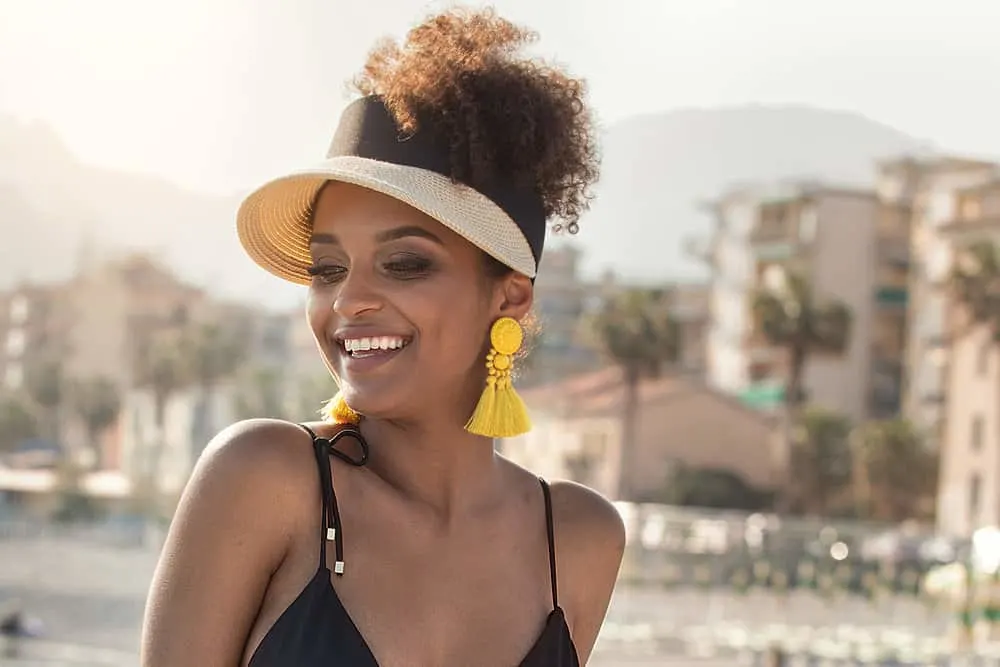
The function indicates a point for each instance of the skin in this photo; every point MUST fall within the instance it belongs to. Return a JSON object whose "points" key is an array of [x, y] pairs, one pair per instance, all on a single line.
{"points": [[445, 545]]}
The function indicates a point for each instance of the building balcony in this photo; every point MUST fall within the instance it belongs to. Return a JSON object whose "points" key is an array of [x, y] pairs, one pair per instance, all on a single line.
{"points": [[890, 296], [775, 250], [967, 230], [782, 227], [894, 252], [775, 242], [977, 213], [885, 388], [894, 222]]}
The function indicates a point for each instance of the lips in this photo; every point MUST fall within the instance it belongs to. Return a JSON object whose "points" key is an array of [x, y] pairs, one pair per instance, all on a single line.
{"points": [[364, 351]]}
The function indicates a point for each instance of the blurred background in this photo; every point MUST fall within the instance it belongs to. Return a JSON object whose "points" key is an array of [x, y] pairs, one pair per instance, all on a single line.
{"points": [[775, 341]]}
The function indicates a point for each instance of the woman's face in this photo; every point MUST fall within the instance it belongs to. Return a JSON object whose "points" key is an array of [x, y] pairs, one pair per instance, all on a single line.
{"points": [[400, 305]]}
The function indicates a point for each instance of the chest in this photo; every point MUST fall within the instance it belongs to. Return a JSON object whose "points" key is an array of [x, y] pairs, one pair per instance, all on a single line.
{"points": [[479, 597]]}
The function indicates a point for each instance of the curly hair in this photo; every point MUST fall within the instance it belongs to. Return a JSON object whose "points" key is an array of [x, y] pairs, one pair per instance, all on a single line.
{"points": [[502, 114]]}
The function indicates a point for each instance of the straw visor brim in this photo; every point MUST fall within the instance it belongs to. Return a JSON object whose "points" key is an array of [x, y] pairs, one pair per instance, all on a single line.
{"points": [[274, 226]]}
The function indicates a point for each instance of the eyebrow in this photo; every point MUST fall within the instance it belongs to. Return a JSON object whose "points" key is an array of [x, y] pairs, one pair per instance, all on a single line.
{"points": [[383, 237]]}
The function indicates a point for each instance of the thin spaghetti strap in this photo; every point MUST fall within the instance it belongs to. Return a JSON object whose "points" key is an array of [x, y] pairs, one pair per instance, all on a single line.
{"points": [[550, 532], [332, 530], [325, 487]]}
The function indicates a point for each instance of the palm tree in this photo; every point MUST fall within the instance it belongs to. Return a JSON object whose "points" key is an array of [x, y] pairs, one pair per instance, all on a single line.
{"points": [[161, 366], [638, 332], [98, 404], [819, 462], [45, 384], [17, 422], [310, 394], [260, 394], [213, 353], [975, 281], [896, 473], [792, 318]]}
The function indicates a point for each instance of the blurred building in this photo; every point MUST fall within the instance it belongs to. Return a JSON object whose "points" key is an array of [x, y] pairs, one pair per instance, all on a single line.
{"points": [[34, 329], [689, 306], [562, 298], [930, 188], [727, 252], [956, 397], [577, 434], [853, 247]]}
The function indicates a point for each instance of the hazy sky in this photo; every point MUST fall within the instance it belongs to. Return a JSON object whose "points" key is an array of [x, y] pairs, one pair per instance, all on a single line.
{"points": [[218, 94]]}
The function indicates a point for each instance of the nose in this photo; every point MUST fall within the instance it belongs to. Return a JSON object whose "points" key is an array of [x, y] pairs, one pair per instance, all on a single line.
{"points": [[356, 295]]}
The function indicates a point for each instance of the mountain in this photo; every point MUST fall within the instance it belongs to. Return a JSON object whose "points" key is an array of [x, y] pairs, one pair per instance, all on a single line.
{"points": [[56, 212], [656, 168]]}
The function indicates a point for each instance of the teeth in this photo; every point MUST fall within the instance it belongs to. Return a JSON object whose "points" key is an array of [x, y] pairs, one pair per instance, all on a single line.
{"points": [[353, 345]]}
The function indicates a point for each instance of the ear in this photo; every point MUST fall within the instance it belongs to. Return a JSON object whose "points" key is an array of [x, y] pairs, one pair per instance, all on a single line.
{"points": [[515, 296]]}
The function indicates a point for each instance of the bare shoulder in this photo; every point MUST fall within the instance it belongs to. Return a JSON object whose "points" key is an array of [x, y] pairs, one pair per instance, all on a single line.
{"points": [[231, 531], [585, 517], [254, 441], [590, 544], [255, 457]]}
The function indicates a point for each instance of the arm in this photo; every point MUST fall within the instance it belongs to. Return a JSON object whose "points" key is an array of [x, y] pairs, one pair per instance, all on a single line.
{"points": [[590, 543], [226, 539]]}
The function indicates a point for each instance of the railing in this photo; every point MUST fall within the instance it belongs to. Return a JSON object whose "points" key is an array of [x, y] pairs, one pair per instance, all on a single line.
{"points": [[695, 582], [120, 533]]}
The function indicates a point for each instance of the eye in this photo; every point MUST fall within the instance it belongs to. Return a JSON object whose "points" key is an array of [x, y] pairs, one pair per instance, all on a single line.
{"points": [[407, 267], [327, 273]]}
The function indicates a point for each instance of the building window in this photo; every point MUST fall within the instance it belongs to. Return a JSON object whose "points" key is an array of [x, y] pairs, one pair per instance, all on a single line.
{"points": [[971, 208], [942, 207], [974, 492], [808, 222], [14, 377], [983, 358], [15, 343], [976, 432], [938, 261], [19, 309]]}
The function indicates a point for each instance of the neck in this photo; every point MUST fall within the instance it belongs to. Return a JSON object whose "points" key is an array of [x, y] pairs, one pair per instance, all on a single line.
{"points": [[436, 462]]}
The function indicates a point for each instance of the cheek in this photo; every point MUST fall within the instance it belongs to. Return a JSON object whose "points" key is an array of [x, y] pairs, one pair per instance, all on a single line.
{"points": [[318, 309]]}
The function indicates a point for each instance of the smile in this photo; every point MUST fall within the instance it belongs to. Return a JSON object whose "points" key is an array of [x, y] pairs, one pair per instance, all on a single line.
{"points": [[370, 346]]}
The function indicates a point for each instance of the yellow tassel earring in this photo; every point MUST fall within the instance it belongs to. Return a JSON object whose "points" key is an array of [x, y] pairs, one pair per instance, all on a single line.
{"points": [[337, 410], [500, 412]]}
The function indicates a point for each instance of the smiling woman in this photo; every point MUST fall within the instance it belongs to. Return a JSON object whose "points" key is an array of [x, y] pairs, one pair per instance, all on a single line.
{"points": [[419, 237]]}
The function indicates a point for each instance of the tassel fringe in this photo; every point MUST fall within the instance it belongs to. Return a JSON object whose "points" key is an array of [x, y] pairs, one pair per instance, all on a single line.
{"points": [[337, 411]]}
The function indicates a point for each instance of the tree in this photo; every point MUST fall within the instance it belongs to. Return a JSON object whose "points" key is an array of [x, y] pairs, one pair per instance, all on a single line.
{"points": [[98, 404], [819, 462], [896, 473], [161, 366], [214, 353], [637, 331], [792, 318], [261, 394], [712, 487], [975, 282], [310, 393], [45, 384], [17, 422]]}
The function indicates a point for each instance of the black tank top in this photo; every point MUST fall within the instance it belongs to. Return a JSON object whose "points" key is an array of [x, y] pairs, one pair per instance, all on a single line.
{"points": [[317, 631]]}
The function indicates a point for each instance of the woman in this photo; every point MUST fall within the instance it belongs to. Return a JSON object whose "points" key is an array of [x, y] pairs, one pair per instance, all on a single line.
{"points": [[419, 238]]}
